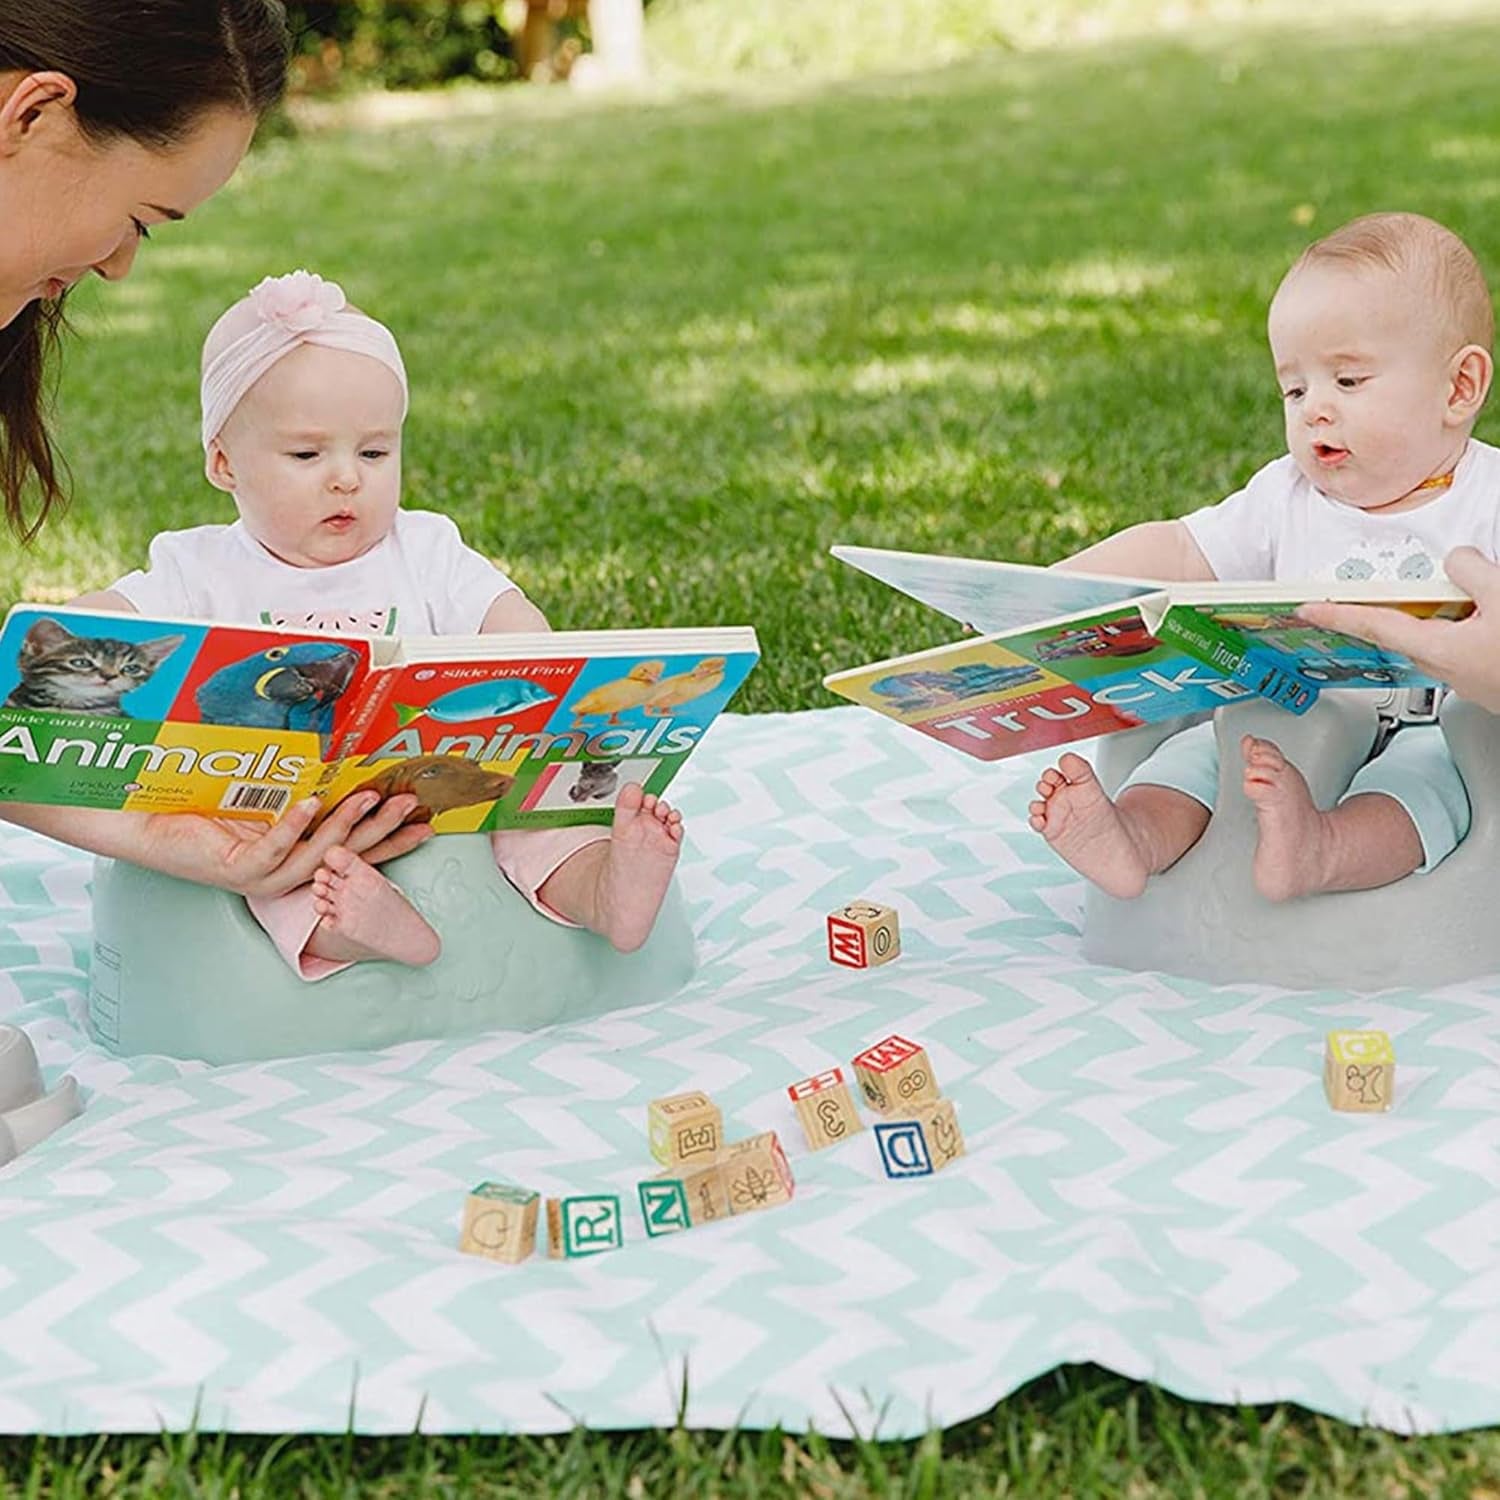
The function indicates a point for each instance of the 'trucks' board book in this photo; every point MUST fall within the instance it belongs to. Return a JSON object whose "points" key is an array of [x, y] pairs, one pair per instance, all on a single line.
{"points": [[1063, 656], [501, 731]]}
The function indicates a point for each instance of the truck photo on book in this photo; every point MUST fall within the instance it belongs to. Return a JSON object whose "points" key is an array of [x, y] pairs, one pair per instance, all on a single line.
{"points": [[113, 710], [1061, 656]]}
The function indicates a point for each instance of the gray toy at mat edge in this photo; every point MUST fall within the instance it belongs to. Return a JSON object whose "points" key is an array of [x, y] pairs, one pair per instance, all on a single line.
{"points": [[28, 1113], [1203, 918]]}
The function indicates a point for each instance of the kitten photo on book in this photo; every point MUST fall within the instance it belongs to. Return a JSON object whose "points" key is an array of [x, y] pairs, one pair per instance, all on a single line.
{"points": [[86, 674]]}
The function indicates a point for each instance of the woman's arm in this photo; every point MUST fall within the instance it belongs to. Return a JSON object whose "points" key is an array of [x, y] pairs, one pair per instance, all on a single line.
{"points": [[1463, 653], [252, 859], [1154, 550]]}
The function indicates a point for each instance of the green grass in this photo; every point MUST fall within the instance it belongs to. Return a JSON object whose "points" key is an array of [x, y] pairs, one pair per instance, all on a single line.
{"points": [[664, 354], [1077, 1433]]}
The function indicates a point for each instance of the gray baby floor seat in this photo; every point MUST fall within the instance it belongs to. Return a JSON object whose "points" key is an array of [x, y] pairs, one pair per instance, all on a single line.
{"points": [[1204, 918]]}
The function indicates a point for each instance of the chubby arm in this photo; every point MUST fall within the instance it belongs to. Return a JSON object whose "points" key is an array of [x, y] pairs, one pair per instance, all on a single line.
{"points": [[105, 599], [1153, 550], [512, 611]]}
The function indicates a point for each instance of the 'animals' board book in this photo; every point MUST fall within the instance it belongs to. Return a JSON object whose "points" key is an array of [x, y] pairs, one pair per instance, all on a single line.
{"points": [[1062, 656], [119, 711]]}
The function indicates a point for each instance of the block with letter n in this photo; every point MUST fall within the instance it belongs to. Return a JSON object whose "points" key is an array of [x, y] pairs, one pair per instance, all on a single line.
{"points": [[863, 935], [584, 1225], [895, 1075], [664, 1205]]}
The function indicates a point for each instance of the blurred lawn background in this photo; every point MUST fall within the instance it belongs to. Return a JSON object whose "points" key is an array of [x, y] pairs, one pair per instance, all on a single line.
{"points": [[666, 349], [986, 276]]}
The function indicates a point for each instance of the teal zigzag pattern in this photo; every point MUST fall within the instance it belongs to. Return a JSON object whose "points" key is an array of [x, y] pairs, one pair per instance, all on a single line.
{"points": [[1153, 1180]]}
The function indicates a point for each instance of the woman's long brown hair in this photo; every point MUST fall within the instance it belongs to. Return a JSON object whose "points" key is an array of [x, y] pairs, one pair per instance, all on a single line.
{"points": [[147, 69]]}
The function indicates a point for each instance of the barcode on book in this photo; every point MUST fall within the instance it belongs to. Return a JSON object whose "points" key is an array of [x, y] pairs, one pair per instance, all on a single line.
{"points": [[254, 796]]}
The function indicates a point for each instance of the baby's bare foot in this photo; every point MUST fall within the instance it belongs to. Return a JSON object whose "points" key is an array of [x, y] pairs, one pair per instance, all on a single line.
{"points": [[1291, 855], [643, 847], [1073, 814], [365, 916]]}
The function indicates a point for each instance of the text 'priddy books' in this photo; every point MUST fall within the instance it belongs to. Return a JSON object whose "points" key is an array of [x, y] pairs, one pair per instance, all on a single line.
{"points": [[1061, 656], [119, 711]]}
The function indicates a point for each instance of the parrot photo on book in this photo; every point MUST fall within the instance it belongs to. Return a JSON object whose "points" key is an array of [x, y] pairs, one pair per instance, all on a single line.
{"points": [[283, 687]]}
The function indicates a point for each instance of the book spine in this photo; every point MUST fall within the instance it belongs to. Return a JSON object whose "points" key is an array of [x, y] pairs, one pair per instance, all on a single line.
{"points": [[1262, 669], [377, 688]]}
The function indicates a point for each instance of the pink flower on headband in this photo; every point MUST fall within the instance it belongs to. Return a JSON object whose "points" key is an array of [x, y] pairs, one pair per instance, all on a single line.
{"points": [[297, 302]]}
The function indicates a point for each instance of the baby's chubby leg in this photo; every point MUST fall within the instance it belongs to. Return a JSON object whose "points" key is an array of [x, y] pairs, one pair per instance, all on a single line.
{"points": [[1118, 845], [1366, 841], [616, 886], [362, 916]]}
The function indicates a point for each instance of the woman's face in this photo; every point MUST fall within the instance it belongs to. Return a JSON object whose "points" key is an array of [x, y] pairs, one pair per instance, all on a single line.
{"points": [[70, 206]]}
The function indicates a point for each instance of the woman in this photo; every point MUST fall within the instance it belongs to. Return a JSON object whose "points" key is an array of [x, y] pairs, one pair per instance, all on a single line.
{"points": [[1463, 653], [116, 116]]}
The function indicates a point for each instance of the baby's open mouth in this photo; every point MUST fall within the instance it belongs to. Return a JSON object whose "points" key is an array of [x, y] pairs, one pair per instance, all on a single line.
{"points": [[1329, 453], [340, 520]]}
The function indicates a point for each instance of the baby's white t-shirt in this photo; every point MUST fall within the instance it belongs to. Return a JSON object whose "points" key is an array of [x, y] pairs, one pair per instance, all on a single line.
{"points": [[1281, 526], [420, 579]]}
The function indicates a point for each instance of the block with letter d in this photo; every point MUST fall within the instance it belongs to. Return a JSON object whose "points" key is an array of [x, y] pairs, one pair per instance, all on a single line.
{"points": [[863, 935], [903, 1149]]}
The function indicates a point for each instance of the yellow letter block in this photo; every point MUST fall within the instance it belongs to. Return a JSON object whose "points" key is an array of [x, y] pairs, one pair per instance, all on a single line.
{"points": [[499, 1222], [686, 1130], [1359, 1071]]}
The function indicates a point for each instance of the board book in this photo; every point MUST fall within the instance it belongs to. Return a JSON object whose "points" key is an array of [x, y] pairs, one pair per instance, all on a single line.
{"points": [[1058, 656], [109, 710]]}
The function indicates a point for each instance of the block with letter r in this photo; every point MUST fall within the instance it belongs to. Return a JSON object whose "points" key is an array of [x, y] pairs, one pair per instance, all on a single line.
{"points": [[584, 1225], [664, 1205], [903, 1150]]}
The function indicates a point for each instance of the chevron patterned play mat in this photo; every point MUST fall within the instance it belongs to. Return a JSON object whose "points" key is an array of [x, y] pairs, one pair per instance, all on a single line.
{"points": [[1154, 1181]]}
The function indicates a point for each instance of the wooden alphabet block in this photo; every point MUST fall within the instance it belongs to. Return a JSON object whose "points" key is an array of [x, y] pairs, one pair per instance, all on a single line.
{"points": [[940, 1132], [686, 1130], [825, 1108], [756, 1174], [895, 1076], [500, 1222], [863, 935], [707, 1195], [1359, 1071], [699, 1196], [584, 1225], [903, 1149], [664, 1206]]}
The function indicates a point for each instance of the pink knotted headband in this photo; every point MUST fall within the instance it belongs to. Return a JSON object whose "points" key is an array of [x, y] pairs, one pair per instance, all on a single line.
{"points": [[279, 315]]}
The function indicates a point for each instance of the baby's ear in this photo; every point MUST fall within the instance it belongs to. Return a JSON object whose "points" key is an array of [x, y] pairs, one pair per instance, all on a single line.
{"points": [[216, 465], [1473, 370]]}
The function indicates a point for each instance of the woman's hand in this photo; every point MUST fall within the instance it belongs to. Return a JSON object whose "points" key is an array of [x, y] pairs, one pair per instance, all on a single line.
{"points": [[1463, 653], [252, 859]]}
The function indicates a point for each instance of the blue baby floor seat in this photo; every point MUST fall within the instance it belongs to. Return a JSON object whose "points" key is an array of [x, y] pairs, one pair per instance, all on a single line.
{"points": [[183, 969], [1203, 917]]}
